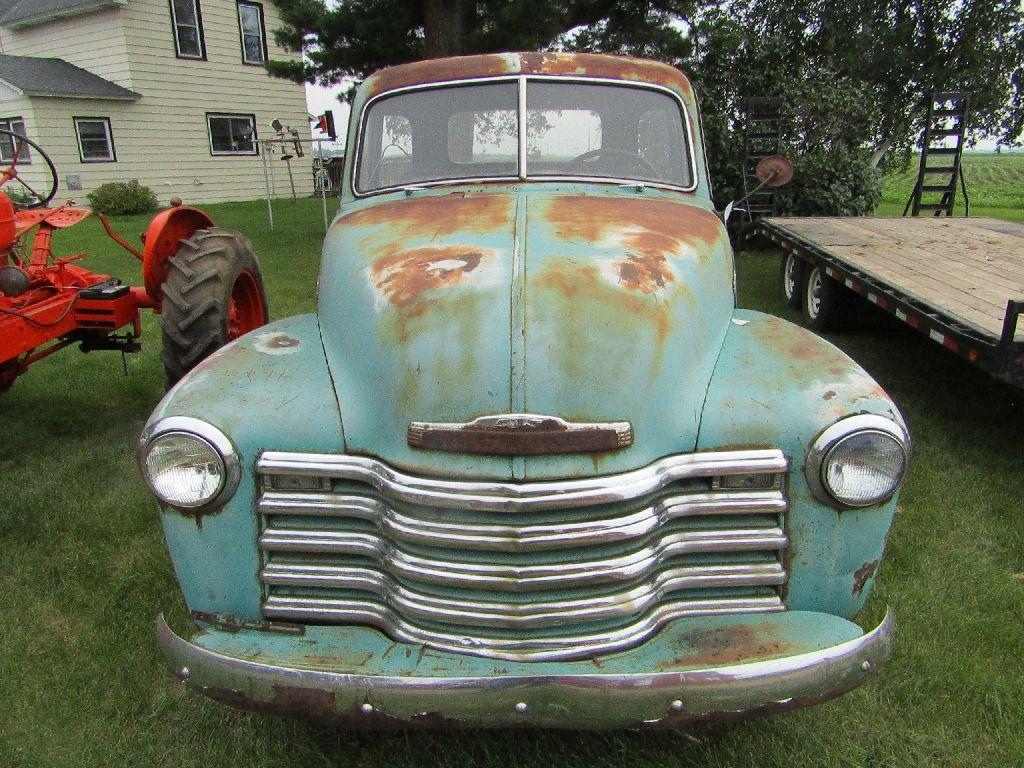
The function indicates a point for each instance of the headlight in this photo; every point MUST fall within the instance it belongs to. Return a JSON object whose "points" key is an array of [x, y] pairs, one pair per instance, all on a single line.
{"points": [[187, 462], [858, 461]]}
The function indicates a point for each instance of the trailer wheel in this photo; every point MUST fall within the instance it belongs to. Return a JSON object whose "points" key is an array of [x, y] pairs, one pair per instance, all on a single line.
{"points": [[213, 294], [792, 279], [825, 301]]}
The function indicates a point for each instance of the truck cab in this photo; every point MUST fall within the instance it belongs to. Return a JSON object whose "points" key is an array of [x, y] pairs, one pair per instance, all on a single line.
{"points": [[527, 464]]}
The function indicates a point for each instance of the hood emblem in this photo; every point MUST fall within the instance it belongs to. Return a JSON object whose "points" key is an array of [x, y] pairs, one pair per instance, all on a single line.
{"points": [[520, 434]]}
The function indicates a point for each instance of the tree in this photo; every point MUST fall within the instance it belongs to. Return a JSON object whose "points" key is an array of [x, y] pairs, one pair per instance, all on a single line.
{"points": [[356, 37]]}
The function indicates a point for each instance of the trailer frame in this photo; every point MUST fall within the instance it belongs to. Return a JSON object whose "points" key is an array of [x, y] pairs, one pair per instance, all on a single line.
{"points": [[1001, 356]]}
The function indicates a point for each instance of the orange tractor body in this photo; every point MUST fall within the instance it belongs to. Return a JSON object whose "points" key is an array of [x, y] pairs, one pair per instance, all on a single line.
{"points": [[48, 303]]}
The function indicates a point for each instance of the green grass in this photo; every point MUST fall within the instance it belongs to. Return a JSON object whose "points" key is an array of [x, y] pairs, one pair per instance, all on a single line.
{"points": [[84, 569], [995, 186]]}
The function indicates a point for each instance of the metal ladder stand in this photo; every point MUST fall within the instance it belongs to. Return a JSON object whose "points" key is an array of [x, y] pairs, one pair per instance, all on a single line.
{"points": [[762, 137], [947, 119]]}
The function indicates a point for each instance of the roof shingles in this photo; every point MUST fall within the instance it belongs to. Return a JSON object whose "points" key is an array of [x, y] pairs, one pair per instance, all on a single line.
{"points": [[14, 13], [36, 76]]}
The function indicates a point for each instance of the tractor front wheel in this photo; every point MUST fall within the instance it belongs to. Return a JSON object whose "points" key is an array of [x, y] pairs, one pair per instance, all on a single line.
{"points": [[213, 294]]}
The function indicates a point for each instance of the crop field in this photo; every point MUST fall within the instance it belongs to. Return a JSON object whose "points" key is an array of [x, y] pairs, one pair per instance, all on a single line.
{"points": [[84, 569], [994, 181]]}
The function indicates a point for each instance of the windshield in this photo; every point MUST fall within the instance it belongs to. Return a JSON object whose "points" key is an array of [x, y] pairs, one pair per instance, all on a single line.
{"points": [[573, 130]]}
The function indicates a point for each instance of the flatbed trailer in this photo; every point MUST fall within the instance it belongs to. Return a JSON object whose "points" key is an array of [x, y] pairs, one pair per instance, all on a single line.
{"points": [[959, 281]]}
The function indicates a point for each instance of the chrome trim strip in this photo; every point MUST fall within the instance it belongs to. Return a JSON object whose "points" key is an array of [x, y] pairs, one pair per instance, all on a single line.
{"points": [[518, 538], [491, 613], [830, 437], [213, 436], [577, 699], [496, 496], [528, 577], [521, 175], [546, 648]]}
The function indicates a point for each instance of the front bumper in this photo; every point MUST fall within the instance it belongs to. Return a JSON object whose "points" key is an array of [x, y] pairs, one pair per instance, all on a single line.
{"points": [[356, 677]]}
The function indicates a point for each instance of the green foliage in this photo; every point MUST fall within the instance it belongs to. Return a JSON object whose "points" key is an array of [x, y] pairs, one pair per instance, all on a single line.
{"points": [[122, 198], [354, 38]]}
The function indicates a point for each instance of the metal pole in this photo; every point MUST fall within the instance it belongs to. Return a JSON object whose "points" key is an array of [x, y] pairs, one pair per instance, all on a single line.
{"points": [[323, 187], [266, 186]]}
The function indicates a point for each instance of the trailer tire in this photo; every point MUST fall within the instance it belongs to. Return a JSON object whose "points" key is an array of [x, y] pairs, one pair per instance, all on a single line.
{"points": [[825, 302], [213, 294], [791, 279]]}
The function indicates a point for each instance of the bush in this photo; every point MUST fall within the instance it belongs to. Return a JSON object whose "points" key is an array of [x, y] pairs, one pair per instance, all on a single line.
{"points": [[121, 198]]}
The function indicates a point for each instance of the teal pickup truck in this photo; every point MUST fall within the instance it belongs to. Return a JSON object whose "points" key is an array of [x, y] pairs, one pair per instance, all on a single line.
{"points": [[528, 464]]}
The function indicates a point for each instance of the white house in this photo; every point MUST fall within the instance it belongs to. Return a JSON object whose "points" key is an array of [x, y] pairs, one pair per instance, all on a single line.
{"points": [[170, 92]]}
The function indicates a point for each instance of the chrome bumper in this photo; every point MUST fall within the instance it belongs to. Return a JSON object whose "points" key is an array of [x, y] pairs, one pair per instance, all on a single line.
{"points": [[576, 699]]}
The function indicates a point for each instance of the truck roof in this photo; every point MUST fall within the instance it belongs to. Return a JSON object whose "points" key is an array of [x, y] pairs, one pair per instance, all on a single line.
{"points": [[528, 63]]}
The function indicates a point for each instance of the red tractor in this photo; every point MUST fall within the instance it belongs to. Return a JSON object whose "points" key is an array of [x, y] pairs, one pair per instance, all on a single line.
{"points": [[203, 280]]}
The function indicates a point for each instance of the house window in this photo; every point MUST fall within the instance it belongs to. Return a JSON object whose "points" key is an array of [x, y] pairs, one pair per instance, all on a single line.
{"points": [[95, 141], [254, 34], [187, 19], [14, 125], [232, 134]]}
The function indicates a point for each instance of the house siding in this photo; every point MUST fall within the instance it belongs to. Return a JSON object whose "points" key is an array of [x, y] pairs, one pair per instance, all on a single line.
{"points": [[162, 138], [94, 41]]}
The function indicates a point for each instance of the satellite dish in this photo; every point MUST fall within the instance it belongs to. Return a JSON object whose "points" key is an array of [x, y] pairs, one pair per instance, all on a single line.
{"points": [[277, 125]]}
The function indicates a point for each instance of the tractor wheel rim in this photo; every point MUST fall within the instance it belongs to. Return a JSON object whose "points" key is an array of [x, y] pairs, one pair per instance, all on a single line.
{"points": [[814, 293], [245, 308], [789, 284]]}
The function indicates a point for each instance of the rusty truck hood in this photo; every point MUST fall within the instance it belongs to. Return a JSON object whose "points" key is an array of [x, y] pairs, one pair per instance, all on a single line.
{"points": [[445, 307]]}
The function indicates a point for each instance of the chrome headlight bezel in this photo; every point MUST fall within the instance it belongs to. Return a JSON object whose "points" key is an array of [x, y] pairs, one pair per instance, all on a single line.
{"points": [[201, 430], [832, 436]]}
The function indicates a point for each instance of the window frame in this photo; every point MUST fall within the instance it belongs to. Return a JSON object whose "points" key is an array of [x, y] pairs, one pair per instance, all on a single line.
{"points": [[199, 31], [523, 81], [251, 116], [10, 127], [263, 32], [110, 139]]}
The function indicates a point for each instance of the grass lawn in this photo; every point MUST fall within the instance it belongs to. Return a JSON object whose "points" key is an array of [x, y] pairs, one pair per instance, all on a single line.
{"points": [[84, 570]]}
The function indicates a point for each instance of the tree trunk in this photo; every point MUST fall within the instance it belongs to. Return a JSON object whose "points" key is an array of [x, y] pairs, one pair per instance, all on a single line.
{"points": [[879, 154], [444, 28]]}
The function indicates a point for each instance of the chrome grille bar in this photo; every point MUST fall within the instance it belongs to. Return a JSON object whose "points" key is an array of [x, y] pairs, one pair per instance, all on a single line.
{"points": [[520, 538], [564, 646], [521, 497]]}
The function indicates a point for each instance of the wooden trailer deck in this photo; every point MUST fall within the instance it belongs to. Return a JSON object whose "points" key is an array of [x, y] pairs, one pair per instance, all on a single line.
{"points": [[960, 280]]}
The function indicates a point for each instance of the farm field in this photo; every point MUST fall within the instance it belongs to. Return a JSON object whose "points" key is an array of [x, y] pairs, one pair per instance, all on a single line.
{"points": [[84, 569]]}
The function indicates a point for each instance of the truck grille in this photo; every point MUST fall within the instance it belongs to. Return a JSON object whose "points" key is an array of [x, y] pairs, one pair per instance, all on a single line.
{"points": [[525, 571]]}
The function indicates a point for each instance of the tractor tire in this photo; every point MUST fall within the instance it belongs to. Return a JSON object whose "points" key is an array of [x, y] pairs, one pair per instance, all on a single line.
{"points": [[213, 294], [791, 279], [826, 302]]}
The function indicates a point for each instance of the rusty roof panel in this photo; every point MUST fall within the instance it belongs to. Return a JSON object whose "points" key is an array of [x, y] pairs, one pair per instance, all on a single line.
{"points": [[494, 64]]}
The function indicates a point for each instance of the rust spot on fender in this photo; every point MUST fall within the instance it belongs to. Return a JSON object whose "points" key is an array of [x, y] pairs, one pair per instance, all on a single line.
{"points": [[436, 215], [829, 395], [404, 277], [280, 341], [730, 645], [862, 574]]}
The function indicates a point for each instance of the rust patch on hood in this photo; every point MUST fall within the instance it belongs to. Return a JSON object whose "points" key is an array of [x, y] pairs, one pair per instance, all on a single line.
{"points": [[731, 645], [646, 274], [436, 215], [648, 230], [862, 574], [403, 277]]}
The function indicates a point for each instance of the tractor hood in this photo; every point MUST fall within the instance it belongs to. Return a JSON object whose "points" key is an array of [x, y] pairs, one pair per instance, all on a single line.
{"points": [[444, 307]]}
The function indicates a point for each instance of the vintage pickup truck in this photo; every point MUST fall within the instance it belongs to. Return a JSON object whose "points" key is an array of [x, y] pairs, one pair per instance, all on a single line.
{"points": [[528, 464]]}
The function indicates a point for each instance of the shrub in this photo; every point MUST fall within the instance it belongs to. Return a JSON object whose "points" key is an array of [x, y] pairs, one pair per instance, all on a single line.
{"points": [[121, 198]]}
